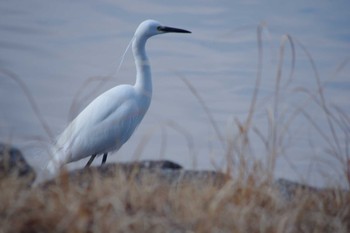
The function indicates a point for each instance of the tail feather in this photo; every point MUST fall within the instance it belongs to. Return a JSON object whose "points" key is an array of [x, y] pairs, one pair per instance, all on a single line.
{"points": [[57, 161], [53, 167]]}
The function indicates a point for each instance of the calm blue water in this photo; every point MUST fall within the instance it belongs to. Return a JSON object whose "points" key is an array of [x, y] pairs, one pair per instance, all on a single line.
{"points": [[60, 49]]}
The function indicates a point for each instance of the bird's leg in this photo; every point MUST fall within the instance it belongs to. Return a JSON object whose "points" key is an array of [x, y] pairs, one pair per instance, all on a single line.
{"points": [[104, 158], [90, 160]]}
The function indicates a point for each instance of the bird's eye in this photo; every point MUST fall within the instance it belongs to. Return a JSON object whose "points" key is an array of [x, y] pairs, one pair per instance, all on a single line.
{"points": [[159, 28]]}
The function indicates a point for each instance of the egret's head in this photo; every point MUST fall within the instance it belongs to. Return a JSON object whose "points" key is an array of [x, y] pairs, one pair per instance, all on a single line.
{"points": [[151, 27]]}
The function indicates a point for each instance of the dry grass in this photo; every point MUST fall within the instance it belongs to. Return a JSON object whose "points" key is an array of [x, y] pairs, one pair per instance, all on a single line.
{"points": [[121, 203]]}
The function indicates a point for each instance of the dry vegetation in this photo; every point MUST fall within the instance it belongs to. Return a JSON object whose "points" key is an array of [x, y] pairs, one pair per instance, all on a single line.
{"points": [[121, 203]]}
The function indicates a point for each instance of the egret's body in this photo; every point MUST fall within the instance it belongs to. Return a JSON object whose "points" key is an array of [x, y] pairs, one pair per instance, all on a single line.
{"points": [[109, 120]]}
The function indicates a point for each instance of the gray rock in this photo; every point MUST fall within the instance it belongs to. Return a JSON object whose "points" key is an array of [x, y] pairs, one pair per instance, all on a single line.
{"points": [[289, 189], [12, 163], [170, 173], [160, 170]]}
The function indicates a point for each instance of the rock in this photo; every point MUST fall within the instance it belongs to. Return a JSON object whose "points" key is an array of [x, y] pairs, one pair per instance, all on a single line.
{"points": [[12, 163], [193, 176], [149, 164], [170, 173], [110, 169], [160, 170], [289, 189]]}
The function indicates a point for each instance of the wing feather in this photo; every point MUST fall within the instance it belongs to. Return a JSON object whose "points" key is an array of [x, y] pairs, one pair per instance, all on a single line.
{"points": [[109, 134], [104, 120]]}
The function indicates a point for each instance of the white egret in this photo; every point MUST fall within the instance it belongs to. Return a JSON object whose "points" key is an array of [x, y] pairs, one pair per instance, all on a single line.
{"points": [[110, 119]]}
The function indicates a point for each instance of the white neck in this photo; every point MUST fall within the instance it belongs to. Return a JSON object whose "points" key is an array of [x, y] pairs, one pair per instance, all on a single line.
{"points": [[143, 68]]}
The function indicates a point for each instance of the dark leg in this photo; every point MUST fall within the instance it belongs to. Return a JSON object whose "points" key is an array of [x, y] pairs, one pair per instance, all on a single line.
{"points": [[104, 158], [90, 160]]}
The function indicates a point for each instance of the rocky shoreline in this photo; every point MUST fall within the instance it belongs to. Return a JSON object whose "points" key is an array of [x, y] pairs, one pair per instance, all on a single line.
{"points": [[13, 163]]}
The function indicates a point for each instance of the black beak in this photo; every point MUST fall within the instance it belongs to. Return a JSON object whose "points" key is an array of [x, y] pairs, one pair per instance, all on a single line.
{"points": [[170, 29]]}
